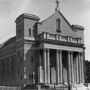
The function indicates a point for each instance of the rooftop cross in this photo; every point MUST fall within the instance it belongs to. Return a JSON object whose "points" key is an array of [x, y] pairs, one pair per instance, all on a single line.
{"points": [[57, 2]]}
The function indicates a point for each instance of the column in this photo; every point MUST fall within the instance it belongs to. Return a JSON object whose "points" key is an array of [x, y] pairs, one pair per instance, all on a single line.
{"points": [[80, 76], [40, 71], [69, 69], [77, 69], [44, 60], [57, 67], [72, 71], [60, 61], [82, 68], [48, 66]]}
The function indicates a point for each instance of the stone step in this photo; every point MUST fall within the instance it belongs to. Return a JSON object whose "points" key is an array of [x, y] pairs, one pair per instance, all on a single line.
{"points": [[9, 88]]}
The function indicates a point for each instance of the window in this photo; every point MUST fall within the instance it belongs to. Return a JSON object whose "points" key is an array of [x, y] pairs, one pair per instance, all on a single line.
{"points": [[58, 25], [29, 31]]}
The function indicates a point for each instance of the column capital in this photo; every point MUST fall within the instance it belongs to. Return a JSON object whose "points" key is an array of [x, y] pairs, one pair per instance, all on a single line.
{"points": [[80, 53], [57, 50], [69, 52], [48, 49], [60, 51], [44, 49]]}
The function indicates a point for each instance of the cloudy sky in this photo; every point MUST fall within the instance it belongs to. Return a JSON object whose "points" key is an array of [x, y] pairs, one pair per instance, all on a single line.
{"points": [[76, 12]]}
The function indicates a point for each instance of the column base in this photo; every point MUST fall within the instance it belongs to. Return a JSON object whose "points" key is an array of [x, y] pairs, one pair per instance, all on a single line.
{"points": [[40, 75], [57, 85]]}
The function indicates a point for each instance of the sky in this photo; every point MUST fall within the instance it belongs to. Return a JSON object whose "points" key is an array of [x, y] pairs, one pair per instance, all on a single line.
{"points": [[75, 11]]}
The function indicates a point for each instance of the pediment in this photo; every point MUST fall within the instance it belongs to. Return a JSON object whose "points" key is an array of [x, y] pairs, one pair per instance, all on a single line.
{"points": [[66, 29]]}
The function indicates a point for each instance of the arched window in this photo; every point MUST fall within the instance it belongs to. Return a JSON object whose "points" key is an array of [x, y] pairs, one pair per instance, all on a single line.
{"points": [[29, 31], [58, 25]]}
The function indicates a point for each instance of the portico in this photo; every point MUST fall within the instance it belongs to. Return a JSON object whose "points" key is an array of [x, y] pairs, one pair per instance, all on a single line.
{"points": [[60, 66]]}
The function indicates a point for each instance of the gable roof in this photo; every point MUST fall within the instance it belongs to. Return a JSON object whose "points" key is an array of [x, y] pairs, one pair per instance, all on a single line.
{"points": [[62, 17], [65, 19]]}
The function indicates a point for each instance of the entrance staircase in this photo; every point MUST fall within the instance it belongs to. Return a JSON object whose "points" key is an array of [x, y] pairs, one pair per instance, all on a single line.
{"points": [[52, 87], [79, 87], [44, 87]]}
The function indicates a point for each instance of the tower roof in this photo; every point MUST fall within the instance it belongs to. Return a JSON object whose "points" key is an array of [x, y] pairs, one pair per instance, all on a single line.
{"points": [[26, 15]]}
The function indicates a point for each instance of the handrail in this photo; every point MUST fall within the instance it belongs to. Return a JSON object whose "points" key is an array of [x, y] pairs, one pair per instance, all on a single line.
{"points": [[60, 37]]}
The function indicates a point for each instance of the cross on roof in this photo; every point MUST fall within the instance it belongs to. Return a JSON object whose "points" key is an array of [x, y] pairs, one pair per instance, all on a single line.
{"points": [[57, 2]]}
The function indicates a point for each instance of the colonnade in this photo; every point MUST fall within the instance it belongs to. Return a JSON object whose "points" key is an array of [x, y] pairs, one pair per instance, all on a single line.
{"points": [[59, 67]]}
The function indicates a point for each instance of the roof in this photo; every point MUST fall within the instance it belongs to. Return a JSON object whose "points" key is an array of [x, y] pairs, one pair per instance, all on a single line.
{"points": [[26, 15], [8, 41]]}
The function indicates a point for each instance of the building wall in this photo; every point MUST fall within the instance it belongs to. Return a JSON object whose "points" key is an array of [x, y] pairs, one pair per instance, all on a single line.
{"points": [[28, 24], [8, 65], [20, 63], [29, 62]]}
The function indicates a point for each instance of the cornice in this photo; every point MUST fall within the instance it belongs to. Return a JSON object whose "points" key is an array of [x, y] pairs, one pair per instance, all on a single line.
{"points": [[55, 42]]}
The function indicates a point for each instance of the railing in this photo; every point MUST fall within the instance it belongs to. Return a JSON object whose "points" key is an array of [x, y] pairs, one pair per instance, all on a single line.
{"points": [[64, 38], [57, 37]]}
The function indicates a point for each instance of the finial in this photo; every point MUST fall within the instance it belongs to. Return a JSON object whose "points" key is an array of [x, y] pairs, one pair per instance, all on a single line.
{"points": [[57, 3]]}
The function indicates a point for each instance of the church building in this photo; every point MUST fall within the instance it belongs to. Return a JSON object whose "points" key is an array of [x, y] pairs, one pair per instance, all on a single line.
{"points": [[44, 54]]}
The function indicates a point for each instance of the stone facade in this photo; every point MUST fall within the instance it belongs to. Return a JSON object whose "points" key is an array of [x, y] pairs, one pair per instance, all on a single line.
{"points": [[48, 53]]}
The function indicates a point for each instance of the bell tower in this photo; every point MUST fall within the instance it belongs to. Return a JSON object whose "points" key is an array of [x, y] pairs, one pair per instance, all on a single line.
{"points": [[25, 26], [26, 30]]}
